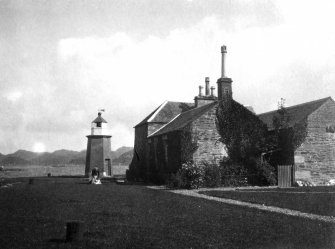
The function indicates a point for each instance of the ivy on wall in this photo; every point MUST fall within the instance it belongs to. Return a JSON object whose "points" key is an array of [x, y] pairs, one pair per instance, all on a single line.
{"points": [[188, 146], [246, 136], [241, 131]]}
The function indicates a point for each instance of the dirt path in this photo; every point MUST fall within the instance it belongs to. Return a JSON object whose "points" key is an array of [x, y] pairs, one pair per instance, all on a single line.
{"points": [[273, 209]]}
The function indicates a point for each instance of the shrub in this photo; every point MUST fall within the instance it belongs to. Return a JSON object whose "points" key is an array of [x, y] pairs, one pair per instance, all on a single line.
{"points": [[233, 174], [266, 174], [175, 181], [189, 176], [192, 175], [212, 175]]}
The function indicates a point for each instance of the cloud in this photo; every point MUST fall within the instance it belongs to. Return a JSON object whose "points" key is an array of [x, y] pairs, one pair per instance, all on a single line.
{"points": [[275, 50], [131, 77], [14, 96]]}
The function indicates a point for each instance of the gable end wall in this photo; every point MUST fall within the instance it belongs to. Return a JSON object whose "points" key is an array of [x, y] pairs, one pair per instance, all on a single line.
{"points": [[204, 132], [315, 158]]}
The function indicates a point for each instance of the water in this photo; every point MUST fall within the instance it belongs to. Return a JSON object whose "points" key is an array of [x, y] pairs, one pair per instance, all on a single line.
{"points": [[59, 170]]}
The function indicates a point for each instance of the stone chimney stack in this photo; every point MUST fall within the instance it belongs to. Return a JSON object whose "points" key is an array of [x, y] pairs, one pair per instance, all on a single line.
{"points": [[224, 83], [206, 99], [207, 86]]}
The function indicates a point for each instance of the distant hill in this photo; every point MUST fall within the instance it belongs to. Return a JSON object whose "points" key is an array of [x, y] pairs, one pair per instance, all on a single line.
{"points": [[123, 155], [65, 153], [124, 158], [56, 157], [12, 160], [23, 157], [120, 151], [80, 158], [24, 154]]}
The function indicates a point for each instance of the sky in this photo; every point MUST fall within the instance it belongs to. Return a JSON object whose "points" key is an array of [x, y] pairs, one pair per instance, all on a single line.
{"points": [[61, 61]]}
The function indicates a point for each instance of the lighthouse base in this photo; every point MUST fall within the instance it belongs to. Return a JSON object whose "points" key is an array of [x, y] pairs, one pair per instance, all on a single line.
{"points": [[98, 155]]}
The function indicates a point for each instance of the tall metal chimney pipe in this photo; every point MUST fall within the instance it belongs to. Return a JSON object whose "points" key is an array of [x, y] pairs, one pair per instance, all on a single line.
{"points": [[207, 86], [223, 65]]}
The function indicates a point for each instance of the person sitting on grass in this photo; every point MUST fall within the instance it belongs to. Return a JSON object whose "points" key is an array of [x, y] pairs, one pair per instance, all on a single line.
{"points": [[95, 176]]}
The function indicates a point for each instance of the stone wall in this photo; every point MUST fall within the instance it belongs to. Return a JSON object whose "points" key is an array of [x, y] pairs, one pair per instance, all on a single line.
{"points": [[138, 163], [152, 127], [315, 158], [141, 161], [163, 156], [204, 132], [203, 100]]}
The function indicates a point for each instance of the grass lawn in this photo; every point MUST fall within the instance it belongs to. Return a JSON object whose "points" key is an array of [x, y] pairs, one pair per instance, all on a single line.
{"points": [[316, 200], [130, 216]]}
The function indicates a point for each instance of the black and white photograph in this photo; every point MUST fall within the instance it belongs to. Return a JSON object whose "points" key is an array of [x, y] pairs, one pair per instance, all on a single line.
{"points": [[167, 124]]}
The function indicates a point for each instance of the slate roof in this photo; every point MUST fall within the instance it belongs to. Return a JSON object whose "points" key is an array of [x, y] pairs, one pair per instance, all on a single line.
{"points": [[165, 112], [99, 119], [183, 119], [296, 113]]}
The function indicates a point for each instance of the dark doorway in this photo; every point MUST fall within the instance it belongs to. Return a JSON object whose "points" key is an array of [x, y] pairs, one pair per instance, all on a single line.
{"points": [[108, 167]]}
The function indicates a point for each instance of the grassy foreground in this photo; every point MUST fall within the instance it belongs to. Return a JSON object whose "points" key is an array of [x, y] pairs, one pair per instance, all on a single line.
{"points": [[121, 216], [316, 200]]}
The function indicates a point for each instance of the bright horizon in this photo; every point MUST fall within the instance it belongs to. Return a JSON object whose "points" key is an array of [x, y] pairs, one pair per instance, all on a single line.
{"points": [[61, 61]]}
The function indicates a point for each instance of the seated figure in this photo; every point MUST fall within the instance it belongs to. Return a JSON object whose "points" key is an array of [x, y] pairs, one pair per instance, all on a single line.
{"points": [[95, 176]]}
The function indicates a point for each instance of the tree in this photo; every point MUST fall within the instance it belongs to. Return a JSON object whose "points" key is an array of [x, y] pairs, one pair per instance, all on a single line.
{"points": [[287, 135]]}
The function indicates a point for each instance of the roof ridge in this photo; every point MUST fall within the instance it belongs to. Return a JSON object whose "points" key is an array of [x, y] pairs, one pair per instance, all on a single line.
{"points": [[294, 106], [197, 108], [181, 102]]}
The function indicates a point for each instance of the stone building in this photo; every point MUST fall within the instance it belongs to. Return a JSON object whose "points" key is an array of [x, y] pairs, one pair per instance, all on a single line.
{"points": [[177, 132], [314, 159]]}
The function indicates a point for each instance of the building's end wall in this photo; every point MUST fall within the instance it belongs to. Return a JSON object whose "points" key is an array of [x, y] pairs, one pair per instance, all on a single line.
{"points": [[205, 134], [152, 127], [315, 158], [138, 162]]}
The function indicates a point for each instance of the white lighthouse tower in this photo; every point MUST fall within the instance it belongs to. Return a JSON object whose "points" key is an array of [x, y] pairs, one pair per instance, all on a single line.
{"points": [[98, 153]]}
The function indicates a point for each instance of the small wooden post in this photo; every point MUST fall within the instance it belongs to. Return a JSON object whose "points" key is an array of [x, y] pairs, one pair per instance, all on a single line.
{"points": [[74, 231]]}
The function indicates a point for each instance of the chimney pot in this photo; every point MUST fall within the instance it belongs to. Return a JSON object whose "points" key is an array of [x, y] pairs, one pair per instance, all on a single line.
{"points": [[212, 91], [200, 91], [207, 86]]}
